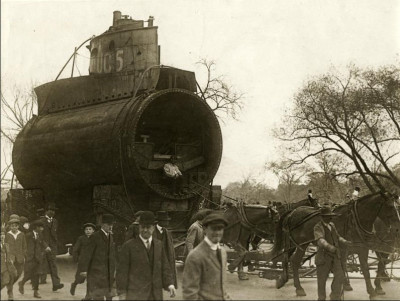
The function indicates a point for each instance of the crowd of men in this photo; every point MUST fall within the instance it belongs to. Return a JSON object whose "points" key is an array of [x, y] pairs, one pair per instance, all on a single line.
{"points": [[145, 264]]}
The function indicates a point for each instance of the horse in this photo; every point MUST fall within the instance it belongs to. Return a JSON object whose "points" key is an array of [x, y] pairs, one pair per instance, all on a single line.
{"points": [[295, 231], [243, 222]]}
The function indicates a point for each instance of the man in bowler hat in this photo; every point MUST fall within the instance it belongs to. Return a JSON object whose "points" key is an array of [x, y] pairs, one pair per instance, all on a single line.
{"points": [[36, 247], [97, 261], [50, 237], [205, 267], [143, 268], [331, 249]]}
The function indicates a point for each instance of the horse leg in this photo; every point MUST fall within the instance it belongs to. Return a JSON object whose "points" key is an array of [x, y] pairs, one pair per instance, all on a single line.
{"points": [[282, 279], [363, 257], [296, 261], [241, 274], [381, 274], [346, 284]]}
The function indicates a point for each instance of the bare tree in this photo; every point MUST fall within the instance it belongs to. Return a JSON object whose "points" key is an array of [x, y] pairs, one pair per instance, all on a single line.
{"points": [[17, 108], [220, 96], [355, 115]]}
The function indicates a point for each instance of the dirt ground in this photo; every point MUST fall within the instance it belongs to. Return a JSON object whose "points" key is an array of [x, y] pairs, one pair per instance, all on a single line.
{"points": [[253, 289]]}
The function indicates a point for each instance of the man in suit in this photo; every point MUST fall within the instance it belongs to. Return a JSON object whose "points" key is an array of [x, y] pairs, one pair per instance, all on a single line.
{"points": [[163, 235], [205, 267], [97, 261], [143, 268], [8, 271], [331, 247], [17, 246], [195, 233], [50, 237], [36, 247]]}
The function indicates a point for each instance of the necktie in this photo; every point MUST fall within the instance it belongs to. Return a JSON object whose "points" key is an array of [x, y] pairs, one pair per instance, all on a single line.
{"points": [[147, 245], [219, 256]]}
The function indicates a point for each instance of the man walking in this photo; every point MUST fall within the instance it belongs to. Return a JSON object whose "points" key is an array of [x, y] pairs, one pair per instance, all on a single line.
{"points": [[143, 269], [163, 235], [17, 246], [97, 261], [205, 267], [328, 258], [50, 237], [36, 247]]}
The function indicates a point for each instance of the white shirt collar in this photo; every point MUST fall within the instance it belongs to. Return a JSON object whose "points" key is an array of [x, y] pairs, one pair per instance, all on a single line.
{"points": [[105, 232], [145, 240], [212, 245], [49, 218], [15, 235], [160, 229], [327, 225], [35, 233]]}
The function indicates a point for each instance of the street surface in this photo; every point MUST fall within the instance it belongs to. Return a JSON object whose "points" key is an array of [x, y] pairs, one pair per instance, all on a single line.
{"points": [[254, 289]]}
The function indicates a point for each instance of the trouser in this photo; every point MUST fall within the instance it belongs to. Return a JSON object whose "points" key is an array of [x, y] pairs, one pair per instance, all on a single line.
{"points": [[31, 272], [78, 278], [20, 268], [331, 264], [50, 259], [6, 280]]}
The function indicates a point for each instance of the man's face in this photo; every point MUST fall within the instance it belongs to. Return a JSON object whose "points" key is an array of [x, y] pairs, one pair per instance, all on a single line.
{"points": [[214, 232], [50, 213], [26, 226], [89, 231], [327, 219], [39, 229], [3, 236], [146, 231], [14, 227], [107, 227]]}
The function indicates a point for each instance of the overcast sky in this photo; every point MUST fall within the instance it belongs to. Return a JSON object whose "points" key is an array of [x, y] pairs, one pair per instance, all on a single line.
{"points": [[265, 49]]}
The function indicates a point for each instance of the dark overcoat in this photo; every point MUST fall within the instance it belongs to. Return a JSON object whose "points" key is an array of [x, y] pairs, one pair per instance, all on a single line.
{"points": [[143, 273], [98, 260], [168, 244], [80, 244]]}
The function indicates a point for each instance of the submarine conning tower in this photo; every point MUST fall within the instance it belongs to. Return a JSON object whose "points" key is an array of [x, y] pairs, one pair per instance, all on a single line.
{"points": [[106, 136]]}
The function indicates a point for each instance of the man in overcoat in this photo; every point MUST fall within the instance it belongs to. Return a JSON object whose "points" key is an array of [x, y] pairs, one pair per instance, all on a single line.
{"points": [[195, 233], [331, 247], [36, 247], [162, 234], [97, 261], [50, 237], [205, 267], [143, 268]]}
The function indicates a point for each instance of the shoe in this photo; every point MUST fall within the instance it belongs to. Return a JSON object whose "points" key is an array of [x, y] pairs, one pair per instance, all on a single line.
{"points": [[36, 294], [57, 287], [73, 287], [21, 287]]}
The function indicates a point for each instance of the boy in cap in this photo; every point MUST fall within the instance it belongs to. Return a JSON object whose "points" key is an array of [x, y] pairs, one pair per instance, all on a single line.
{"points": [[97, 261], [36, 246], [17, 245], [204, 273], [143, 268], [331, 247], [50, 237], [79, 246]]}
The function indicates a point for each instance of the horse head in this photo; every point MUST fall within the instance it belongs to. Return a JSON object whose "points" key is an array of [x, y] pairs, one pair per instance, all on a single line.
{"points": [[389, 213]]}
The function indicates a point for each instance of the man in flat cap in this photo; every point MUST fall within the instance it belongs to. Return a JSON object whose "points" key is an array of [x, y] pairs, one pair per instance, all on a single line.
{"points": [[97, 261], [143, 268], [36, 247], [80, 245], [50, 237], [195, 233], [331, 249], [205, 267]]}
